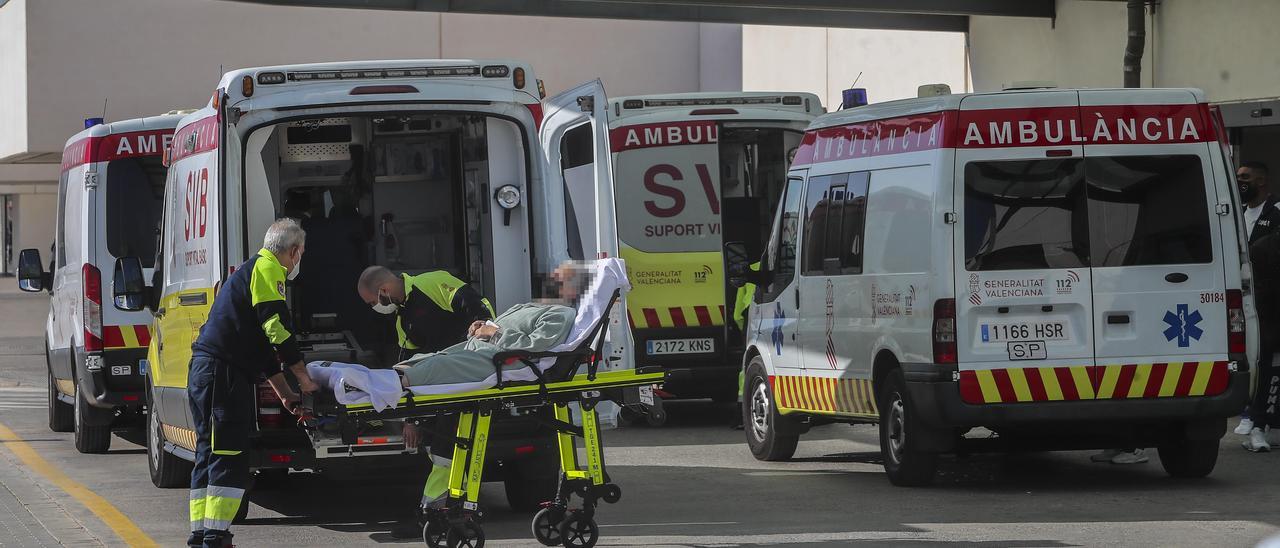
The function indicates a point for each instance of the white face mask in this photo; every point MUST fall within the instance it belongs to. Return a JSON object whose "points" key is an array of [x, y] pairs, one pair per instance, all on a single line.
{"points": [[385, 308], [297, 267]]}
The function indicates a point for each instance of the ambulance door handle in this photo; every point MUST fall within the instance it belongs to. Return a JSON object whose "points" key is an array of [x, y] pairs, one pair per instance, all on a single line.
{"points": [[797, 298], [1117, 319], [1175, 277]]}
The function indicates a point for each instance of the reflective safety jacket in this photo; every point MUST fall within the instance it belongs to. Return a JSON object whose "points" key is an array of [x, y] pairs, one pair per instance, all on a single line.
{"points": [[249, 326], [437, 311], [743, 300]]}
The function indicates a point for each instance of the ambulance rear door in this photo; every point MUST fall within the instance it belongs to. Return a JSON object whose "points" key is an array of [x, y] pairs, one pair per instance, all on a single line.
{"points": [[1024, 305], [1159, 284], [564, 136]]}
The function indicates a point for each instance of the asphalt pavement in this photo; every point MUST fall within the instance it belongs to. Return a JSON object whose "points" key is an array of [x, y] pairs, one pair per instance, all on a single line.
{"points": [[690, 483]]}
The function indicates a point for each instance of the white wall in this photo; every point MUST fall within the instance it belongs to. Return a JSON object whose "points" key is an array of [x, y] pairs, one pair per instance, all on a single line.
{"points": [[13, 78], [825, 61], [1222, 46]]}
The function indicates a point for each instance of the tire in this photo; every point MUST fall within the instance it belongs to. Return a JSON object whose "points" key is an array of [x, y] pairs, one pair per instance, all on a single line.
{"points": [[905, 465], [167, 470], [1189, 458], [61, 414], [532, 483], [761, 420], [89, 439]]}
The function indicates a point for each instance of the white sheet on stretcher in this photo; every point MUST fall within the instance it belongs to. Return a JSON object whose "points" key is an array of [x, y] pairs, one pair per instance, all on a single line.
{"points": [[355, 384]]}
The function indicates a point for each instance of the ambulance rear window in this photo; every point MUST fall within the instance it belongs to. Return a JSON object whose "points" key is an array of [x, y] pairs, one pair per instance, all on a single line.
{"points": [[1148, 210], [1025, 214], [134, 198]]}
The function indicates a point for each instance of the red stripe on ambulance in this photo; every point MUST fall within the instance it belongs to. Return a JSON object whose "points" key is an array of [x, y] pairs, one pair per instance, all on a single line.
{"points": [[135, 144], [700, 132]]}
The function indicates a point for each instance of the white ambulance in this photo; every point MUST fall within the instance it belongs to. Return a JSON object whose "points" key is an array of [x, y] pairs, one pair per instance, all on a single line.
{"points": [[109, 198], [695, 170], [1065, 268], [415, 165]]}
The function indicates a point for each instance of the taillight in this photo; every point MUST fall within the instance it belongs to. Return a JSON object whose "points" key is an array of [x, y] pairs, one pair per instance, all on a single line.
{"points": [[944, 331], [1235, 322], [270, 414], [92, 312]]}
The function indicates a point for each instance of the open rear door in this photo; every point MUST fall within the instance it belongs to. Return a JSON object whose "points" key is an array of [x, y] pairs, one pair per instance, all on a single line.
{"points": [[575, 145]]}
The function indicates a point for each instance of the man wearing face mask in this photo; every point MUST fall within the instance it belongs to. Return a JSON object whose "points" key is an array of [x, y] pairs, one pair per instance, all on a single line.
{"points": [[248, 336], [434, 310], [1261, 216]]}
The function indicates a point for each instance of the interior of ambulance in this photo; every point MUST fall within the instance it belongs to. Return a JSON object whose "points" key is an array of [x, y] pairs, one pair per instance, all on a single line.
{"points": [[408, 191]]}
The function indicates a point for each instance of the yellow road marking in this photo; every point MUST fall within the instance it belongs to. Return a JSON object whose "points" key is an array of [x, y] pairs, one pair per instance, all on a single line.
{"points": [[116, 520]]}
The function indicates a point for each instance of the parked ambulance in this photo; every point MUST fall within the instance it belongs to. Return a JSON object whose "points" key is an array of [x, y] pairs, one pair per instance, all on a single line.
{"points": [[109, 198], [693, 171], [415, 165], [1065, 268]]}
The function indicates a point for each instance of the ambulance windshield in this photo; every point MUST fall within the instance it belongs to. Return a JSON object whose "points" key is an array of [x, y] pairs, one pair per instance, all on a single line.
{"points": [[134, 200]]}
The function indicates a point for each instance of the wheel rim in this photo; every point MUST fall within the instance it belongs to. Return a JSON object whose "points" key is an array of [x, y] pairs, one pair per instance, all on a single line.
{"points": [[154, 447], [761, 409], [545, 529], [578, 532], [897, 428], [435, 534]]}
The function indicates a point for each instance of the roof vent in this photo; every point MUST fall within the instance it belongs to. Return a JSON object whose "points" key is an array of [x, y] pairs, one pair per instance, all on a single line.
{"points": [[933, 90], [1030, 84]]}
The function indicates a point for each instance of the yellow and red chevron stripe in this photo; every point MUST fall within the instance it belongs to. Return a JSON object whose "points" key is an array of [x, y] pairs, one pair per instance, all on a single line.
{"points": [[1037, 384], [125, 336], [677, 316], [824, 395]]}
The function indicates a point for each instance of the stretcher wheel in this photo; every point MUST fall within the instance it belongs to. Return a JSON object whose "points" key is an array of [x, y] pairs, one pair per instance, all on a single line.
{"points": [[435, 533], [612, 494], [467, 534], [579, 531], [655, 417], [546, 526]]}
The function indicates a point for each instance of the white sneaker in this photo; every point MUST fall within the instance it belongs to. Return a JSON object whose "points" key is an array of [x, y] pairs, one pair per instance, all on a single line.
{"points": [[1257, 441], [1137, 456], [1105, 456], [1246, 424]]}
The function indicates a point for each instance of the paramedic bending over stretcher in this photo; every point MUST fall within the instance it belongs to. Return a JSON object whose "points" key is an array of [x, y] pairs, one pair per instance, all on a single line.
{"points": [[535, 327]]}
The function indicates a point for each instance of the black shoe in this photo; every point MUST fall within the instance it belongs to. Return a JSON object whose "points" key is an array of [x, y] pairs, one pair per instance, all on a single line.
{"points": [[196, 539], [218, 539], [406, 529]]}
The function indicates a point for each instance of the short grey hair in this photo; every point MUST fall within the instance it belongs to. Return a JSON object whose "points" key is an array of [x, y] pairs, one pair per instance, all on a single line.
{"points": [[283, 234]]}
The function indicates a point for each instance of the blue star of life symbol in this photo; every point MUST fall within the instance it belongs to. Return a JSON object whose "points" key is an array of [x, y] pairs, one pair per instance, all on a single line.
{"points": [[778, 318], [1182, 325]]}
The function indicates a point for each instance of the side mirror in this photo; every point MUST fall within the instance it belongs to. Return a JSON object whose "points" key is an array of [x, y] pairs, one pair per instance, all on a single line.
{"points": [[31, 274], [736, 266], [127, 286]]}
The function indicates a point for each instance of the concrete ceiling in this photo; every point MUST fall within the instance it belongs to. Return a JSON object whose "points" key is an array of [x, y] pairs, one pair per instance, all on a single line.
{"points": [[935, 15]]}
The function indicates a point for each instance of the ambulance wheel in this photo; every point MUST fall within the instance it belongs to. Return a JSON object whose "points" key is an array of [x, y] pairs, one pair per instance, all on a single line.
{"points": [[89, 439], [546, 526], [1189, 458], [579, 531], [61, 414], [761, 419], [467, 534], [435, 533], [167, 469], [905, 465]]}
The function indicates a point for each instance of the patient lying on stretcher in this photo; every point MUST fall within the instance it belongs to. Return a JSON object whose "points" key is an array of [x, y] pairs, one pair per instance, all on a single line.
{"points": [[534, 327], [559, 325]]}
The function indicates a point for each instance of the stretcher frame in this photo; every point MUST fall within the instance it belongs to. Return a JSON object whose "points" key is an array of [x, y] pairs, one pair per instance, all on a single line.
{"points": [[565, 382]]}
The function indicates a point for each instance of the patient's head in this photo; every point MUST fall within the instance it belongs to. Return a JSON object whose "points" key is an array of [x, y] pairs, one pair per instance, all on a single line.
{"points": [[571, 280]]}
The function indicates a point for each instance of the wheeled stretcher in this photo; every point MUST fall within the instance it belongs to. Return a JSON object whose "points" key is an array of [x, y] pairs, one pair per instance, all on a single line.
{"points": [[573, 376]]}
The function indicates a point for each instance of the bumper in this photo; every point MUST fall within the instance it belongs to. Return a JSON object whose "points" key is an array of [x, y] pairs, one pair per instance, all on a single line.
{"points": [[936, 399], [108, 390]]}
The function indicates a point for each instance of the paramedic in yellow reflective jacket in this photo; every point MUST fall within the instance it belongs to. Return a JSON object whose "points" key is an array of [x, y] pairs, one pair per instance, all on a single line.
{"points": [[434, 310], [741, 303], [249, 335]]}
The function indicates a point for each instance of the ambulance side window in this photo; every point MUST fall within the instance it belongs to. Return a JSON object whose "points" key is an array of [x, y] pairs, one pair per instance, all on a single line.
{"points": [[780, 259], [60, 240], [834, 219]]}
